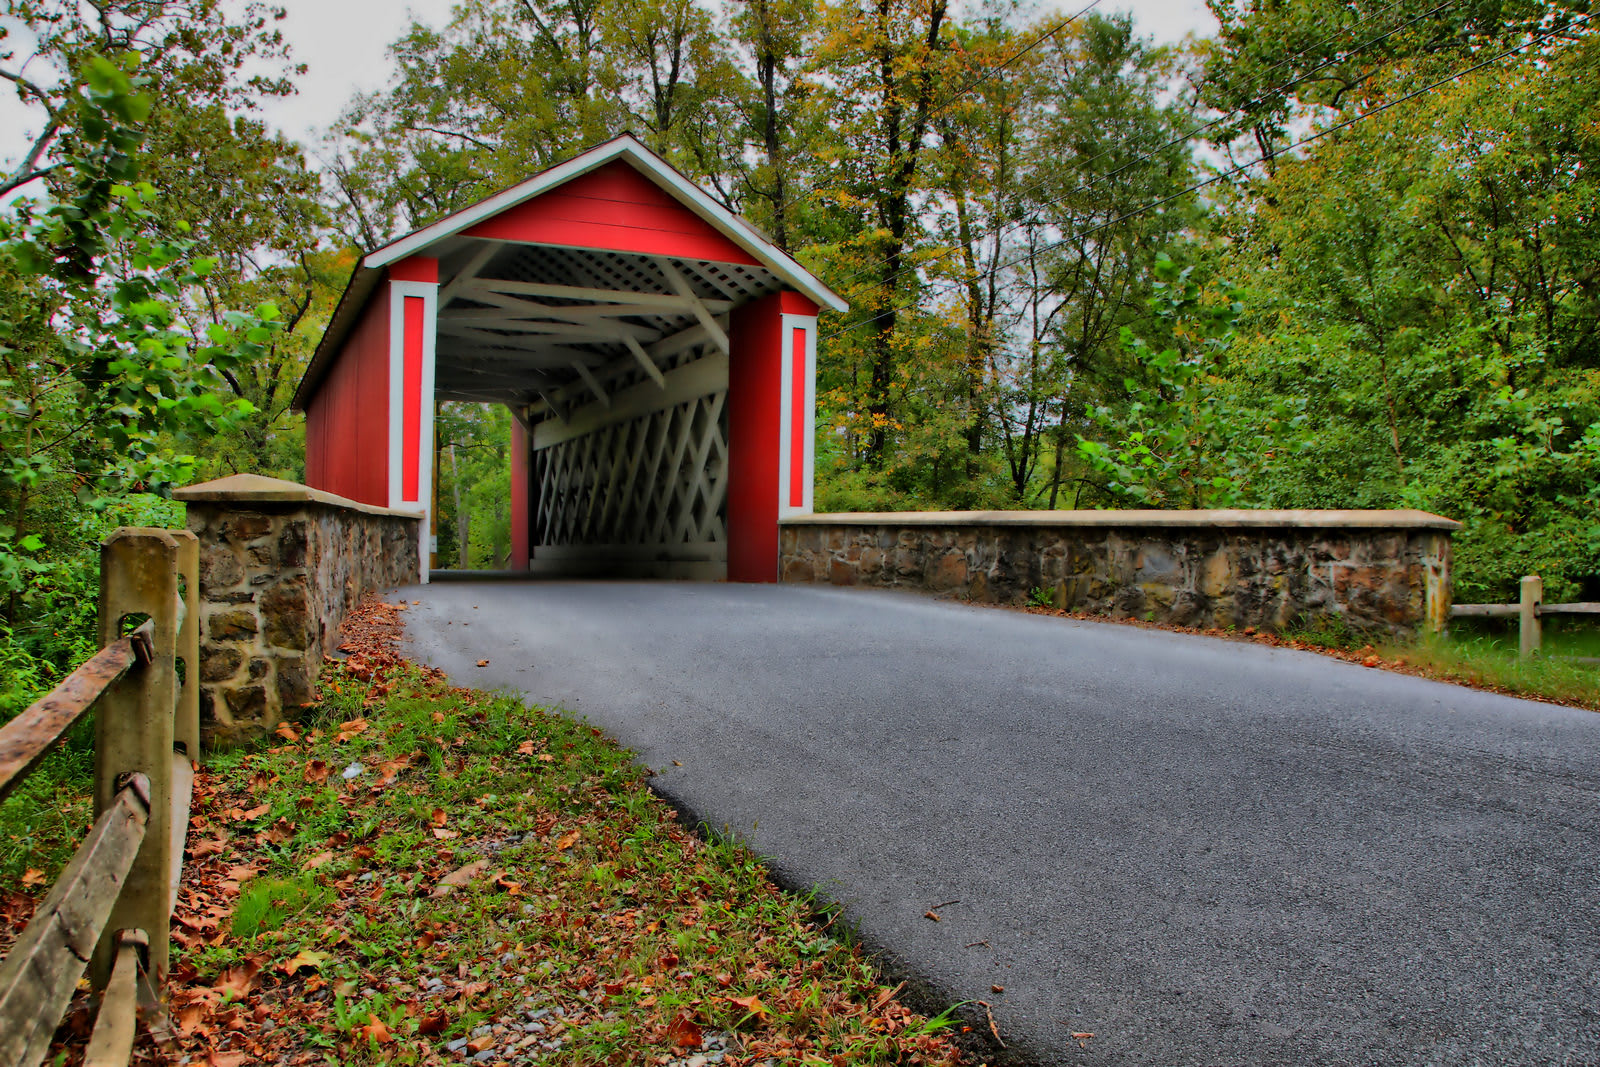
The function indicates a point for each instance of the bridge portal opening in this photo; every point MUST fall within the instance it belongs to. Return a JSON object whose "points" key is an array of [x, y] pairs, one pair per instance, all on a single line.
{"points": [[656, 356]]}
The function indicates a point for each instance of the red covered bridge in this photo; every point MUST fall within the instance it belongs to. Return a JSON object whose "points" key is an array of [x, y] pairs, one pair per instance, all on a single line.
{"points": [[659, 355]]}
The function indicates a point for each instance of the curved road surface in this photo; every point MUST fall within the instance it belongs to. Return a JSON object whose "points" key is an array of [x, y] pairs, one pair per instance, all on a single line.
{"points": [[1202, 852]]}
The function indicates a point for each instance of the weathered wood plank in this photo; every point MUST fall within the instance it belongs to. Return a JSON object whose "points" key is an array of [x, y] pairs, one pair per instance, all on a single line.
{"points": [[25, 740], [39, 975], [1511, 610], [182, 795], [1582, 608], [111, 1044], [1490, 610]]}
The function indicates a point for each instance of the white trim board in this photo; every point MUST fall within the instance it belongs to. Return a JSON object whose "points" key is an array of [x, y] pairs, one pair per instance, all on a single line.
{"points": [[428, 292], [807, 436]]}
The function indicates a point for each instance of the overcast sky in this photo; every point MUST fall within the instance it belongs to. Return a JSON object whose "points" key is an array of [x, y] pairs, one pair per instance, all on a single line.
{"points": [[343, 44]]}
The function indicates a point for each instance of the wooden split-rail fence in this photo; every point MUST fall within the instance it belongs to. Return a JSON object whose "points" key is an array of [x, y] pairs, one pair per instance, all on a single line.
{"points": [[1529, 610], [110, 909]]}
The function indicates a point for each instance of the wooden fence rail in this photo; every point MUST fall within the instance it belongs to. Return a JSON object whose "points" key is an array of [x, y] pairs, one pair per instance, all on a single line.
{"points": [[110, 909], [1529, 610]]}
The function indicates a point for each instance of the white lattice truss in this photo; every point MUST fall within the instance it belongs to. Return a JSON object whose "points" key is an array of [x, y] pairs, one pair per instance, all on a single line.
{"points": [[617, 365], [648, 488]]}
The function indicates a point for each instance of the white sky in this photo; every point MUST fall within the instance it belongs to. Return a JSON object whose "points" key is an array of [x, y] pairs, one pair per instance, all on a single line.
{"points": [[343, 44]]}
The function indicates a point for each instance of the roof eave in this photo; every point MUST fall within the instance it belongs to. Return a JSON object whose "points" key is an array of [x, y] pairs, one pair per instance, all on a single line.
{"points": [[675, 184]]}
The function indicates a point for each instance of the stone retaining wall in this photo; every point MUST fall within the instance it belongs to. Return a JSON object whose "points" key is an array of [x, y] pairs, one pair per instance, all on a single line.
{"points": [[280, 564], [1379, 572]]}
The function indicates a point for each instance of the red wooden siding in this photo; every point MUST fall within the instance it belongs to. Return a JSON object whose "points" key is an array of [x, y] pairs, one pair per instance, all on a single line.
{"points": [[755, 407], [415, 269], [612, 207], [347, 420], [521, 497], [794, 303]]}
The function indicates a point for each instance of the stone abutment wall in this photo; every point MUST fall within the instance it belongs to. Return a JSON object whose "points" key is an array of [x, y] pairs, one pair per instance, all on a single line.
{"points": [[280, 565], [1377, 572]]}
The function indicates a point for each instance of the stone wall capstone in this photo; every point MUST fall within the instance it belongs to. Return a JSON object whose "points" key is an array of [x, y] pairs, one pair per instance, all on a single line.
{"points": [[280, 565], [1374, 572]]}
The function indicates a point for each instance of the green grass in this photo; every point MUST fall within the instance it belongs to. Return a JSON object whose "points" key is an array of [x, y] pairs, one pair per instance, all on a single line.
{"points": [[1485, 653], [593, 904], [44, 821]]}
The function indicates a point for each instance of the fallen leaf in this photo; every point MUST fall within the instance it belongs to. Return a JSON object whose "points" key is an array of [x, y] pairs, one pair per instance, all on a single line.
{"points": [[228, 1059], [751, 1004], [238, 980], [436, 1023], [525, 749], [376, 1031], [931, 915], [483, 663], [1082, 1038], [567, 841], [254, 813], [353, 728], [684, 1032], [305, 960], [439, 817], [287, 731], [317, 771], [444, 835], [460, 876], [514, 888], [32, 877], [320, 859]]}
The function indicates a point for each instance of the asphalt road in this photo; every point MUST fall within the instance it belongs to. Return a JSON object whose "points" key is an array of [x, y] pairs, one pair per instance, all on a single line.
{"points": [[1202, 852]]}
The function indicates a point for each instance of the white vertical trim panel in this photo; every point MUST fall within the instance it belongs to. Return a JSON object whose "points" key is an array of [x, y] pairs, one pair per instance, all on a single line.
{"points": [[429, 294], [806, 437]]}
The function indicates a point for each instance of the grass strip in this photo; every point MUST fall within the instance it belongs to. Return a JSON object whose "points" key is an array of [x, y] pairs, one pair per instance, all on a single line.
{"points": [[423, 874], [1470, 659]]}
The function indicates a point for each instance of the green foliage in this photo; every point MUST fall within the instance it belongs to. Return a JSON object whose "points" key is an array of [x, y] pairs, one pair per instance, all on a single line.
{"points": [[99, 380], [474, 486], [1167, 444], [1428, 303]]}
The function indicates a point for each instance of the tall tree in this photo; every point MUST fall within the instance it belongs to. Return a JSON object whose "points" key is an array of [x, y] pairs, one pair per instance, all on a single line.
{"points": [[878, 69]]}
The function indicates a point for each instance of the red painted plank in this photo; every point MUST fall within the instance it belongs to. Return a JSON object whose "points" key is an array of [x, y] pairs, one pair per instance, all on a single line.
{"points": [[411, 399], [415, 269], [521, 497], [797, 419], [614, 208], [347, 420], [794, 303], [755, 391]]}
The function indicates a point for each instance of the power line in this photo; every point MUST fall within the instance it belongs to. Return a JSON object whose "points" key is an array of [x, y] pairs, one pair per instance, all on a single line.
{"points": [[1036, 186], [1197, 186]]}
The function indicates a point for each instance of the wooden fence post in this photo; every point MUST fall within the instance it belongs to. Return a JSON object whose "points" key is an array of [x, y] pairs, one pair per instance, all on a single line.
{"points": [[187, 730], [134, 732], [1530, 629]]}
